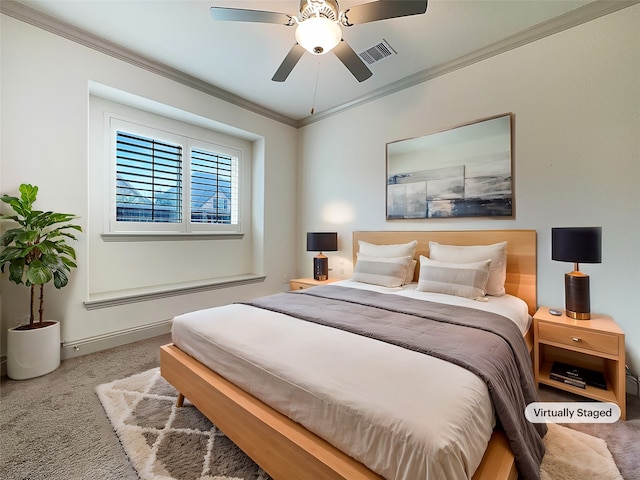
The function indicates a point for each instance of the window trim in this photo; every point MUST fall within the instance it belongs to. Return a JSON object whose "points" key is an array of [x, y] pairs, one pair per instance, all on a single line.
{"points": [[137, 231], [163, 236]]}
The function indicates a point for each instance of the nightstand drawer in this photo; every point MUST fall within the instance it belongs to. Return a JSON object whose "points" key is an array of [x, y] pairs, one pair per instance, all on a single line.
{"points": [[573, 337], [293, 285]]}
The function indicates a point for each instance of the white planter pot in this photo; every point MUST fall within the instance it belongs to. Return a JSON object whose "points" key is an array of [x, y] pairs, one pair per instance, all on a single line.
{"points": [[32, 353]]}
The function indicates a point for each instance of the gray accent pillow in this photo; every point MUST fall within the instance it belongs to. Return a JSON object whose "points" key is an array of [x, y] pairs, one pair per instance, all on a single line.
{"points": [[461, 279], [386, 272]]}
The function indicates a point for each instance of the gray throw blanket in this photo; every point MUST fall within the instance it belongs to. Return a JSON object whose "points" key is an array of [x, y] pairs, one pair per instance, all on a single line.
{"points": [[486, 344]]}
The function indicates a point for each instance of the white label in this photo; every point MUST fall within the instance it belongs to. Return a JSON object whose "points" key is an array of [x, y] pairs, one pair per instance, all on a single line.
{"points": [[572, 412]]}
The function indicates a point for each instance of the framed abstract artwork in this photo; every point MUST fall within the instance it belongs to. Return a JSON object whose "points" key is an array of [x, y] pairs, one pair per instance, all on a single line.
{"points": [[465, 171]]}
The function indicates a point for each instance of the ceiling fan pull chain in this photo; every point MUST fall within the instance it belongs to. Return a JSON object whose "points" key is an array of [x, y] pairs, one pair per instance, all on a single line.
{"points": [[315, 90]]}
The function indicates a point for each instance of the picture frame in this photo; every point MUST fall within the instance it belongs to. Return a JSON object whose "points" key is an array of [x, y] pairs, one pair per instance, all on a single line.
{"points": [[464, 171]]}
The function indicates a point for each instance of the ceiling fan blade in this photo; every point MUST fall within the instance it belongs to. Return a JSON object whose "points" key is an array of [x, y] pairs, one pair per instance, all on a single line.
{"points": [[352, 61], [288, 63], [383, 9], [242, 15]]}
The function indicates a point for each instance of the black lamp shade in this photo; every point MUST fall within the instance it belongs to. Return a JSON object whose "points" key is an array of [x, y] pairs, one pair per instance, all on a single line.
{"points": [[322, 241], [577, 244]]}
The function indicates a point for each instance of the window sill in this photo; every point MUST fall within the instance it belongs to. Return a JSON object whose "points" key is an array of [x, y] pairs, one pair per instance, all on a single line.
{"points": [[126, 297], [164, 236]]}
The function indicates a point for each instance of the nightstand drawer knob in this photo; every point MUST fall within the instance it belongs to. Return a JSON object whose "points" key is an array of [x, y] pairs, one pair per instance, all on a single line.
{"points": [[575, 339]]}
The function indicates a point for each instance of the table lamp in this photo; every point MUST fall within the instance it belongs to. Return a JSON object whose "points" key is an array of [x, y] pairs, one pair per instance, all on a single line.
{"points": [[577, 245], [321, 242]]}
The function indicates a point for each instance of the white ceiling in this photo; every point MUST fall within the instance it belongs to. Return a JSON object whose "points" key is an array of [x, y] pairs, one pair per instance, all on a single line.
{"points": [[240, 58]]}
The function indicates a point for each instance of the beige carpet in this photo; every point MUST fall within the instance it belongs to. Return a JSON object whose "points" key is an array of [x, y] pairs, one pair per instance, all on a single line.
{"points": [[573, 455], [167, 443]]}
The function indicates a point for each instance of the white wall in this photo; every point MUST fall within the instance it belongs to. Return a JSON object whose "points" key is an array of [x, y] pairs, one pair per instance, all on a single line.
{"points": [[576, 100], [45, 112]]}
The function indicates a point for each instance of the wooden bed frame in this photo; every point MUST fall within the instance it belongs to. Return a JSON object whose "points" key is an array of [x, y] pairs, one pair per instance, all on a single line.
{"points": [[285, 449]]}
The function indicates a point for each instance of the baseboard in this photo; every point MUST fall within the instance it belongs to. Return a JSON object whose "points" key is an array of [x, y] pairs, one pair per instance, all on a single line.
{"points": [[98, 343]]}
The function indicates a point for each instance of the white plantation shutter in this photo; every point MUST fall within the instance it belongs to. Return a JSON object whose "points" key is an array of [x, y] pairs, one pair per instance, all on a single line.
{"points": [[150, 194], [214, 188]]}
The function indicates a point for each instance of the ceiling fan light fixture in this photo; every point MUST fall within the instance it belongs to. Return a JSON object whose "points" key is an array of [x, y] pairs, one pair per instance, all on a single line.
{"points": [[318, 35]]}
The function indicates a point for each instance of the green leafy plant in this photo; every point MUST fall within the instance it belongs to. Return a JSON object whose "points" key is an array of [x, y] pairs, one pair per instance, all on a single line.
{"points": [[37, 251]]}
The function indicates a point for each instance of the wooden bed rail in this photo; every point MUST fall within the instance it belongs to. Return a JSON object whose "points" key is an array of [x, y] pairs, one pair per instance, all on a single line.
{"points": [[282, 447]]}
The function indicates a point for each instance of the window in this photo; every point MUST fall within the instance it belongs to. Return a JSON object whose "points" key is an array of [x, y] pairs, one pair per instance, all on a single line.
{"points": [[150, 191]]}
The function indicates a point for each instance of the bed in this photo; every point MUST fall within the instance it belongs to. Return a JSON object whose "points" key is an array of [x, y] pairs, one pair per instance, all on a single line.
{"points": [[286, 449]]}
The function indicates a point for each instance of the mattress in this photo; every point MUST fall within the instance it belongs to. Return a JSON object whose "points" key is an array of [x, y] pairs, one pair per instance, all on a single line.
{"points": [[403, 414]]}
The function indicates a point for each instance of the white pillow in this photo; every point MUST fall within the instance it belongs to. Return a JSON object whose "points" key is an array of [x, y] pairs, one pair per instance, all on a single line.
{"points": [[497, 253], [386, 272], [388, 251], [461, 279], [391, 251]]}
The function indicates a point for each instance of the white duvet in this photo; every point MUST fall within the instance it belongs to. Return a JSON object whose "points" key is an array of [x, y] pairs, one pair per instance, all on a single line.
{"points": [[403, 414]]}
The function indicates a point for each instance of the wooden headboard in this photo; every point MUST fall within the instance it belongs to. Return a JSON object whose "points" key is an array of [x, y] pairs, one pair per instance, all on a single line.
{"points": [[521, 253]]}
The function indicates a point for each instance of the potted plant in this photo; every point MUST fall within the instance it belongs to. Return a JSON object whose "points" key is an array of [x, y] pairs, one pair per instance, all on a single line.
{"points": [[37, 253]]}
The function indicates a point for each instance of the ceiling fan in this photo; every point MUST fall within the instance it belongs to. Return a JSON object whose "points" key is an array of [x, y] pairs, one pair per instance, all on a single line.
{"points": [[318, 28]]}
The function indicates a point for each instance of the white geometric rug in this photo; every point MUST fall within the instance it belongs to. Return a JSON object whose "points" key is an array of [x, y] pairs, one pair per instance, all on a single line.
{"points": [[168, 443]]}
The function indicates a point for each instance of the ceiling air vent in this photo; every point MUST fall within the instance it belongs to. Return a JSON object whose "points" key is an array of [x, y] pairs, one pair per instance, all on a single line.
{"points": [[378, 52]]}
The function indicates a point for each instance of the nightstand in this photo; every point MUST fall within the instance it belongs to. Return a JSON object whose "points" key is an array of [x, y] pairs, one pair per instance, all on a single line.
{"points": [[301, 283], [596, 344]]}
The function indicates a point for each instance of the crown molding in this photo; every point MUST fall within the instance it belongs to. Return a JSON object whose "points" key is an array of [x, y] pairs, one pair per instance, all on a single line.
{"points": [[28, 15], [591, 11]]}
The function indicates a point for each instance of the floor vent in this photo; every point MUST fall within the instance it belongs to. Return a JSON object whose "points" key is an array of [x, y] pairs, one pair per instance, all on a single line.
{"points": [[378, 52]]}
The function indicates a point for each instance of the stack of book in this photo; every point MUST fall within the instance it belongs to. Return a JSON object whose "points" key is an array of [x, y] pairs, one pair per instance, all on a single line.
{"points": [[577, 376]]}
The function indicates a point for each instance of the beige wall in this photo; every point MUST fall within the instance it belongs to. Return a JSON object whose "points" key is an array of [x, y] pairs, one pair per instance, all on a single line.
{"points": [[576, 100], [575, 97], [45, 141]]}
